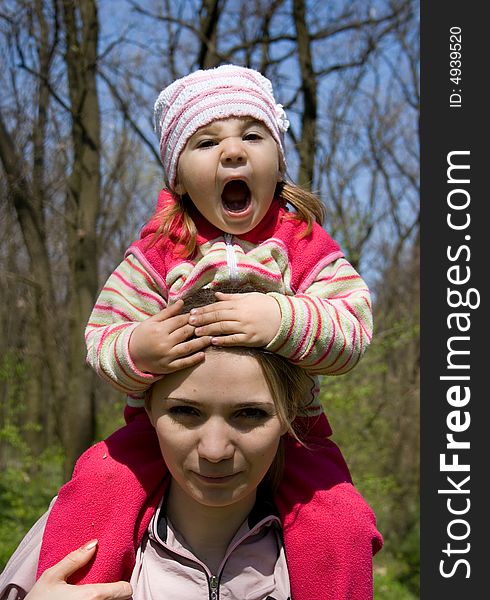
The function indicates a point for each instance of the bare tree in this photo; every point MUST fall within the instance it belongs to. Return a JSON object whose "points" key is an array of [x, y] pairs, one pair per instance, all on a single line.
{"points": [[81, 212], [70, 380]]}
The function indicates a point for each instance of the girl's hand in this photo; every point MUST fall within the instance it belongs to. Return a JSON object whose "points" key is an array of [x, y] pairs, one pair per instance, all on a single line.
{"points": [[250, 319], [161, 343], [52, 584]]}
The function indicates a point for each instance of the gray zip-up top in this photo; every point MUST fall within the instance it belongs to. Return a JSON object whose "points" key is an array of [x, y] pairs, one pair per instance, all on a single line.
{"points": [[253, 568]]}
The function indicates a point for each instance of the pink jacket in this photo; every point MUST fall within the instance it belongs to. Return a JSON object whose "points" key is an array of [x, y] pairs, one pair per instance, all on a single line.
{"points": [[254, 567]]}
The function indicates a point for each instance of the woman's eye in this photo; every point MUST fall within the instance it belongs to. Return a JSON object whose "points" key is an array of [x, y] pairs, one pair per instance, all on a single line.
{"points": [[254, 414], [183, 411]]}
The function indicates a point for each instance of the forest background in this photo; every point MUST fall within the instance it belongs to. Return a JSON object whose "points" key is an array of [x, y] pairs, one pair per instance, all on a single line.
{"points": [[80, 175]]}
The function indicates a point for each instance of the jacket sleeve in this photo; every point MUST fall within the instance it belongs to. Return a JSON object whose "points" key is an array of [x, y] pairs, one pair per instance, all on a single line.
{"points": [[327, 326], [19, 575], [129, 296]]}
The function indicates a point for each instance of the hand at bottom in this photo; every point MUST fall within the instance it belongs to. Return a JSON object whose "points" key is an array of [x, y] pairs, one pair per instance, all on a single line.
{"points": [[52, 585]]}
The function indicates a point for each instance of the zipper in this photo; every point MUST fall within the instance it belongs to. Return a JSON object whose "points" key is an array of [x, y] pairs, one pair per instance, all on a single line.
{"points": [[213, 587], [213, 580], [230, 256]]}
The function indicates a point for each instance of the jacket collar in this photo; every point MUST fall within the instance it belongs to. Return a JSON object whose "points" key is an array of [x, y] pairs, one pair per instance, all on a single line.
{"points": [[263, 510], [263, 231]]}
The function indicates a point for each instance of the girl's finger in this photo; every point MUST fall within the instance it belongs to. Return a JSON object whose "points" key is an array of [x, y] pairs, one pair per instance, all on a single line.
{"points": [[225, 304], [236, 339], [224, 313], [169, 311], [219, 328], [181, 334], [223, 296], [186, 362], [174, 324], [190, 347]]}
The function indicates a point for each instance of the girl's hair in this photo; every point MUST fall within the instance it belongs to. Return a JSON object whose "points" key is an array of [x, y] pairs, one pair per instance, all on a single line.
{"points": [[177, 224], [288, 383]]}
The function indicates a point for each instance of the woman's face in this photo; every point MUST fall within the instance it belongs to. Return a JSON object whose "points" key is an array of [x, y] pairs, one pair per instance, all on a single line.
{"points": [[217, 427]]}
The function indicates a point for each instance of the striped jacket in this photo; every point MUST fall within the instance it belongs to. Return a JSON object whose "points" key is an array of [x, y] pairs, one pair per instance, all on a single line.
{"points": [[326, 317]]}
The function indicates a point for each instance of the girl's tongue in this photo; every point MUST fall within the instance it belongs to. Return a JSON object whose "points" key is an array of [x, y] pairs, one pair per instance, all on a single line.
{"points": [[236, 196]]}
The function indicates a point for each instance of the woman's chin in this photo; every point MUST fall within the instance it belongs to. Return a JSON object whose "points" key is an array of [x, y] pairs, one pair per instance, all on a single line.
{"points": [[219, 495]]}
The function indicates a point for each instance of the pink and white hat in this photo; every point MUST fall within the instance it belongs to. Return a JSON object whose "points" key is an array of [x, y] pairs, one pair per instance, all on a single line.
{"points": [[207, 95]]}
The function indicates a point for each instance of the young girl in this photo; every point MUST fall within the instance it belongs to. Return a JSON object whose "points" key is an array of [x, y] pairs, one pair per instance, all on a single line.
{"points": [[224, 216]]}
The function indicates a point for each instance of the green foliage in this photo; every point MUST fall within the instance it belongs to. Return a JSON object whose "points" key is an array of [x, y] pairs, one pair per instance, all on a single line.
{"points": [[25, 492], [373, 411], [387, 584], [29, 481]]}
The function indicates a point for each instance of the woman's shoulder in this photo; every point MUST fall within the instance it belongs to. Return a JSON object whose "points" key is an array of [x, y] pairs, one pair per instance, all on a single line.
{"points": [[20, 572]]}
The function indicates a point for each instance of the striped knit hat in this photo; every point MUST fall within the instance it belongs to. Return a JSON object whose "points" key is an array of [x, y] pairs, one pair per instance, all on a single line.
{"points": [[207, 95]]}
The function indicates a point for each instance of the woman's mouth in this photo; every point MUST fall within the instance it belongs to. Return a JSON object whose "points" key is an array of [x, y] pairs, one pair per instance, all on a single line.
{"points": [[215, 479], [236, 196]]}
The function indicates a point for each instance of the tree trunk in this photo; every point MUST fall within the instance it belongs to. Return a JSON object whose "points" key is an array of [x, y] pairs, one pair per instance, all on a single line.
{"points": [[27, 207], [210, 12], [82, 206], [307, 143]]}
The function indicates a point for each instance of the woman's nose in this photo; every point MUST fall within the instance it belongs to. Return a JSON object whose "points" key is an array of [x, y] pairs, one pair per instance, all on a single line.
{"points": [[233, 151], [215, 443]]}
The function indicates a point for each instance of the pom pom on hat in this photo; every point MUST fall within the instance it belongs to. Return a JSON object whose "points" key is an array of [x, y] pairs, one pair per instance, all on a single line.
{"points": [[204, 96]]}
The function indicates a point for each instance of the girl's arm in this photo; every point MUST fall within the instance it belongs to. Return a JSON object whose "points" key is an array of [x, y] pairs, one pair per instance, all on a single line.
{"points": [[133, 338], [326, 327], [129, 296]]}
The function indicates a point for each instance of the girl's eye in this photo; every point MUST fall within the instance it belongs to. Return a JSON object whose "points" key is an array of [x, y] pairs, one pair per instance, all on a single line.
{"points": [[205, 143], [251, 137]]}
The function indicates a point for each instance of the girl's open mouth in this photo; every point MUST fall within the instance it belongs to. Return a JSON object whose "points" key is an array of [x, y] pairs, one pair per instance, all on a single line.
{"points": [[236, 196]]}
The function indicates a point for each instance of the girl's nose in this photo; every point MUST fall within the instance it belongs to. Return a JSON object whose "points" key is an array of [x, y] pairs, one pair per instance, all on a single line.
{"points": [[233, 151], [215, 443]]}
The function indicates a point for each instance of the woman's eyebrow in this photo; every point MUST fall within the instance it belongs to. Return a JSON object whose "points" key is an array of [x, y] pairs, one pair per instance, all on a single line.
{"points": [[184, 400], [254, 404], [238, 406]]}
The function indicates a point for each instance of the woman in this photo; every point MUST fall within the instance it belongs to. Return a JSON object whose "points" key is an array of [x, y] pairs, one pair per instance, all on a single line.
{"points": [[221, 426]]}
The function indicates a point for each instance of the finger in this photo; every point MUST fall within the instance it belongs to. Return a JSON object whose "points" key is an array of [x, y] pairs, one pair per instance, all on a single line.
{"points": [[72, 562], [222, 296], [181, 334], [219, 328], [169, 311], [186, 362], [120, 590], [210, 308], [236, 339], [177, 322], [190, 347], [224, 313]]}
